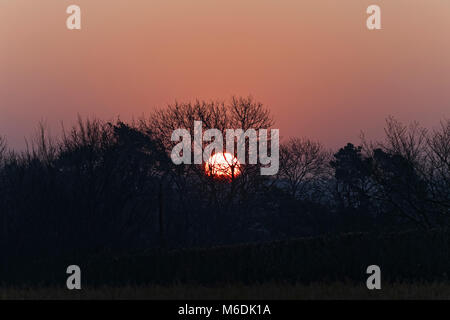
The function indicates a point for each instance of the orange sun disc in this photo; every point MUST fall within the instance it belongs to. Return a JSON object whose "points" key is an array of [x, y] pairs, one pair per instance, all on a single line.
{"points": [[222, 165]]}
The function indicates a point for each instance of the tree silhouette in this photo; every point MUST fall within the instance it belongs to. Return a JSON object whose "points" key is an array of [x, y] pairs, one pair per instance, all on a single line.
{"points": [[223, 200], [108, 188], [353, 176], [303, 164]]}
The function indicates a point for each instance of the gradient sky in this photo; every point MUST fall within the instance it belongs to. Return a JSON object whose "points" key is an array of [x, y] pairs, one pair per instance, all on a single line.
{"points": [[313, 62]]}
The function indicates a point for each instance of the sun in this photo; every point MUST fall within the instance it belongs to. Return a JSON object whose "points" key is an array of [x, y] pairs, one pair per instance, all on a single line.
{"points": [[223, 165]]}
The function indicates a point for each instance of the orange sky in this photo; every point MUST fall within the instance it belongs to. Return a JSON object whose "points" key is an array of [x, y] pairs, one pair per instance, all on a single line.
{"points": [[313, 62]]}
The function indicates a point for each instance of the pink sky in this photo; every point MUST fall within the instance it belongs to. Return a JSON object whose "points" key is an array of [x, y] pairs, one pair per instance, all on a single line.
{"points": [[313, 62]]}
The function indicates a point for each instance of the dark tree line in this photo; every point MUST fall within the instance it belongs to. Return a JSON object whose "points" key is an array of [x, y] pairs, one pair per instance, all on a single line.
{"points": [[111, 187]]}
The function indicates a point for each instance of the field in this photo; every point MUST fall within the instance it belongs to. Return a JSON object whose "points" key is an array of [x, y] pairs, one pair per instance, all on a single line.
{"points": [[337, 290]]}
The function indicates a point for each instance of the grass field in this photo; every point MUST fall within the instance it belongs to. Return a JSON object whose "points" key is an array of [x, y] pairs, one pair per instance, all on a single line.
{"points": [[341, 291]]}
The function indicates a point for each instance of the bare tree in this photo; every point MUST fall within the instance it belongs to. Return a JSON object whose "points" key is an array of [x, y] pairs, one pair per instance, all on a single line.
{"points": [[191, 183], [240, 113], [302, 163], [246, 113], [411, 170], [437, 170], [41, 145], [409, 141]]}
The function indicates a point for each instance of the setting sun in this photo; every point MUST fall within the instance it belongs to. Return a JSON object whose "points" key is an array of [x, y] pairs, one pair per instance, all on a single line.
{"points": [[223, 165]]}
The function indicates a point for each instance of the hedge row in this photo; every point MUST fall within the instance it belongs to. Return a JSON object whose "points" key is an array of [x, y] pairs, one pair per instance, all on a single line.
{"points": [[408, 256]]}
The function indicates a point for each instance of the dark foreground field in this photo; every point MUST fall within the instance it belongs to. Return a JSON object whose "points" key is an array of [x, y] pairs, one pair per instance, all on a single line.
{"points": [[414, 265], [269, 291]]}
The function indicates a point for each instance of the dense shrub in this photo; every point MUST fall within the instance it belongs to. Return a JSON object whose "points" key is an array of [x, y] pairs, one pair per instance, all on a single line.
{"points": [[407, 256]]}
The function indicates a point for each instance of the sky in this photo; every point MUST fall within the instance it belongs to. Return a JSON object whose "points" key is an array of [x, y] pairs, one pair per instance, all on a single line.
{"points": [[314, 63]]}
